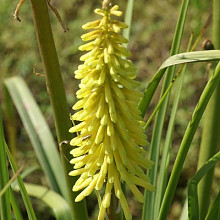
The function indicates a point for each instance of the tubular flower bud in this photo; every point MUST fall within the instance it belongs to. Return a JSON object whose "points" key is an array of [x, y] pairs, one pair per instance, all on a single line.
{"points": [[110, 134]]}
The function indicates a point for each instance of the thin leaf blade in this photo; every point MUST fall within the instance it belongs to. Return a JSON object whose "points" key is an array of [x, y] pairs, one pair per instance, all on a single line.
{"points": [[38, 132], [5, 208], [193, 206], [52, 199]]}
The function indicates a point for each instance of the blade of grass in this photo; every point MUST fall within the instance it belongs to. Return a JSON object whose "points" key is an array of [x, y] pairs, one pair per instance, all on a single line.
{"points": [[211, 129], [57, 203], [188, 57], [186, 142], [162, 99], [214, 211], [5, 208], [16, 209], [26, 199], [57, 97], [193, 204], [163, 173], [15, 206], [10, 120], [38, 132], [198, 56], [143, 105]]}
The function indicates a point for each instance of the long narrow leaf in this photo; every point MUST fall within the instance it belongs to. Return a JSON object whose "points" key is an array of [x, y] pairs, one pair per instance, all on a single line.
{"points": [[186, 142], [5, 208], [193, 206], [57, 203], [188, 57], [164, 166], [211, 128], [214, 211], [38, 132], [15, 206], [26, 199]]}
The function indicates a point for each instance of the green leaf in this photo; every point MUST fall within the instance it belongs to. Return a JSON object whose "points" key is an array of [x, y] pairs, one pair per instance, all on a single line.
{"points": [[56, 202], [15, 206], [39, 133], [214, 211], [193, 206], [164, 164], [188, 57], [26, 199], [191, 57], [5, 208], [149, 210], [186, 142]]}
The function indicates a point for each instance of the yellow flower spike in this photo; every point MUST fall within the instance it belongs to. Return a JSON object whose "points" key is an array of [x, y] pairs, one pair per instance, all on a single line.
{"points": [[109, 130]]}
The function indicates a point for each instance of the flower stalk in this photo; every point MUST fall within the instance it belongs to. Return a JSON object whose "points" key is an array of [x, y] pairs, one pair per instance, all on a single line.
{"points": [[110, 134]]}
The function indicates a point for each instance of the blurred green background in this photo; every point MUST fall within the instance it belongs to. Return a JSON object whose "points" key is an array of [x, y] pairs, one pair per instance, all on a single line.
{"points": [[152, 32]]}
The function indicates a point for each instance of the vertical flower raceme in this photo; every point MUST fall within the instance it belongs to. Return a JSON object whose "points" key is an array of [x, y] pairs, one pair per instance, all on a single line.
{"points": [[110, 133]]}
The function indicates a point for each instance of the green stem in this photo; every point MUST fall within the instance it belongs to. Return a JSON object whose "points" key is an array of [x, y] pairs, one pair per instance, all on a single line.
{"points": [[128, 18], [186, 142], [211, 130], [57, 95]]}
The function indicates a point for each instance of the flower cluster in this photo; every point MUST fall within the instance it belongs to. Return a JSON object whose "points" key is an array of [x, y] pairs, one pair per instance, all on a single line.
{"points": [[110, 133]]}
